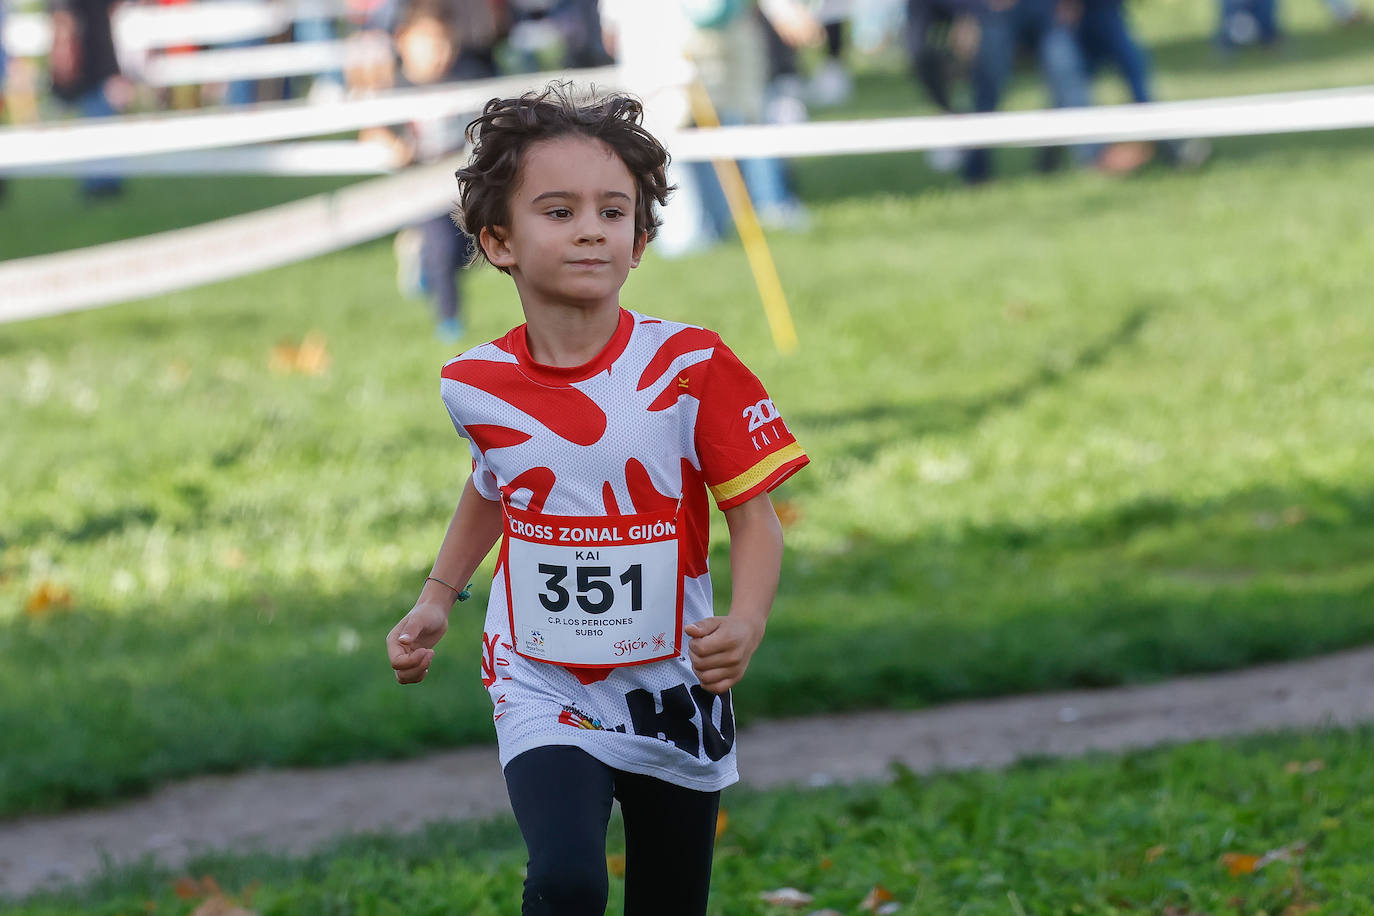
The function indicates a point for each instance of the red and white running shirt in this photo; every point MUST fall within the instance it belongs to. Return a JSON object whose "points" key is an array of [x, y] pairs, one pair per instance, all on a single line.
{"points": [[665, 413]]}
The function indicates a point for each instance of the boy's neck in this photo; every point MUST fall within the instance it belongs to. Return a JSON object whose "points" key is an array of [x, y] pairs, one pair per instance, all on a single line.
{"points": [[566, 337]]}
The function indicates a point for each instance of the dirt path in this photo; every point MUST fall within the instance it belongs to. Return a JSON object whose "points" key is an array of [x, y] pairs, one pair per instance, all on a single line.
{"points": [[294, 811]]}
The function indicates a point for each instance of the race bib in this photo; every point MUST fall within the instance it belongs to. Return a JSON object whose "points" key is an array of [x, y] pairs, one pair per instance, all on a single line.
{"points": [[596, 592]]}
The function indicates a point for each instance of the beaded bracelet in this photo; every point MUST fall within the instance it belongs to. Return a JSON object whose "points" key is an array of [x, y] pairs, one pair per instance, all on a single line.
{"points": [[463, 594]]}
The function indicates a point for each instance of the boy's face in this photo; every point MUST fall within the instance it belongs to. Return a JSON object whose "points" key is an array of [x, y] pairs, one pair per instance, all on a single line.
{"points": [[571, 240]]}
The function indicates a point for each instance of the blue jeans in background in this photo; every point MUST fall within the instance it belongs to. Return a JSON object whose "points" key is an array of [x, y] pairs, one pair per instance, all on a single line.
{"points": [[1104, 35], [94, 104], [1061, 62]]}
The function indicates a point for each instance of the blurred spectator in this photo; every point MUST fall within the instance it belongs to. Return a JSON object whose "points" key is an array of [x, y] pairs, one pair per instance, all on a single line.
{"points": [[1105, 36], [476, 25], [832, 83], [573, 25], [730, 48], [1247, 22], [649, 46], [941, 39], [432, 50], [1346, 12], [324, 87], [85, 71], [1046, 26], [4, 69]]}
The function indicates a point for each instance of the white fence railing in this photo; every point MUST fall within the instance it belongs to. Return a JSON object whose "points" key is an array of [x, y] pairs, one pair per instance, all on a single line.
{"points": [[86, 278]]}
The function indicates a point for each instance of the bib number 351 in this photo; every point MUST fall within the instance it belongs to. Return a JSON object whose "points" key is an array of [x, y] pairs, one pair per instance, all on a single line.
{"points": [[594, 592]]}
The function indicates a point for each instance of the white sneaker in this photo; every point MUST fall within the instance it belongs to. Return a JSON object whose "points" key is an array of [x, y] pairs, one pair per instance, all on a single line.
{"points": [[409, 281], [832, 84]]}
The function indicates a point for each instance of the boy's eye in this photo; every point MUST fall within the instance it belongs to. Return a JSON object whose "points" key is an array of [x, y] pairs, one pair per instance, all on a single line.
{"points": [[612, 213], [560, 213]]}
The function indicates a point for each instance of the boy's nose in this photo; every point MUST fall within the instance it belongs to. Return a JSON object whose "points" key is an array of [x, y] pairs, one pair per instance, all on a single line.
{"points": [[589, 228]]}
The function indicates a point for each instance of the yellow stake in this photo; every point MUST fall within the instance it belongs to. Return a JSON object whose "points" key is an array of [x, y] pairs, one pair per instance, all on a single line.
{"points": [[750, 233]]}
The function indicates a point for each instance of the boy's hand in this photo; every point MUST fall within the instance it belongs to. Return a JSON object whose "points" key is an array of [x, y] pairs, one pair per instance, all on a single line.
{"points": [[410, 644], [721, 648]]}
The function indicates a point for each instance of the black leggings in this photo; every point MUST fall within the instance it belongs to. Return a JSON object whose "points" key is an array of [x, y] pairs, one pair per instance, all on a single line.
{"points": [[562, 800]]}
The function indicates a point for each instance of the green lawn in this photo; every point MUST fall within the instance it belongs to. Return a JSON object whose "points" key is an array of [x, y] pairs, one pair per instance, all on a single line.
{"points": [[1065, 431], [1155, 832]]}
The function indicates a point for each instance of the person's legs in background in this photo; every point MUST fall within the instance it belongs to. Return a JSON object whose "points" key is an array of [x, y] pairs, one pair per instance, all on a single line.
{"points": [[324, 87], [95, 104], [444, 251], [1245, 22], [992, 67], [1105, 35], [241, 92]]}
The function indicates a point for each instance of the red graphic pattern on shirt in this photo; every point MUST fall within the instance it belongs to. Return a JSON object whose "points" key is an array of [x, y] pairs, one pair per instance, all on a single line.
{"points": [[567, 412], [681, 343], [643, 493], [608, 499], [539, 481], [489, 436], [687, 383]]}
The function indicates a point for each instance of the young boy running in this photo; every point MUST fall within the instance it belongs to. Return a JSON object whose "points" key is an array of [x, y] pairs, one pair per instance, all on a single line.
{"points": [[595, 434]]}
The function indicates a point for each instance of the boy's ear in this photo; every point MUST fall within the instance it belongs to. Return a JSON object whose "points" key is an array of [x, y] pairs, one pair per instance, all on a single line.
{"points": [[641, 242], [493, 240]]}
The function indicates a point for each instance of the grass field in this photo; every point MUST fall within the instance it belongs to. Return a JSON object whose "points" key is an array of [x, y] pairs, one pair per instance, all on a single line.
{"points": [[1280, 825], [1066, 431]]}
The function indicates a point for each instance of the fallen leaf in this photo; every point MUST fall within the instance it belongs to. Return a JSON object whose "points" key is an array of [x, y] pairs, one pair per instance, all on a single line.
{"points": [[786, 896], [827, 863], [186, 888], [1298, 766], [47, 598], [722, 821], [876, 898], [1154, 852], [1300, 909], [788, 513], [615, 864], [1294, 515], [311, 357], [1016, 310], [221, 906], [1239, 863]]}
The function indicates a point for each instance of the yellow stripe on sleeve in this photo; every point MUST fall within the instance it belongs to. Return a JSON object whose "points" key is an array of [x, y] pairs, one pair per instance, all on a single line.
{"points": [[757, 474]]}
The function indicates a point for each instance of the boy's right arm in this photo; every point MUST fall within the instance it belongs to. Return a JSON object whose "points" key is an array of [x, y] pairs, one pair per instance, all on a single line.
{"points": [[474, 529]]}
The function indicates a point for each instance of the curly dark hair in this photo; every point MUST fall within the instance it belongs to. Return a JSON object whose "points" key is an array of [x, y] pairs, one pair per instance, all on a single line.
{"points": [[509, 127]]}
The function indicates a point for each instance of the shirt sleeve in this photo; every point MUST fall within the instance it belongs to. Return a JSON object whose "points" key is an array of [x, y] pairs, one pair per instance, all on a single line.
{"points": [[742, 441], [483, 480]]}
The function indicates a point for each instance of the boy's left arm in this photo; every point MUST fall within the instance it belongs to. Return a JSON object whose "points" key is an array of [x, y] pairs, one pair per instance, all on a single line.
{"points": [[721, 647]]}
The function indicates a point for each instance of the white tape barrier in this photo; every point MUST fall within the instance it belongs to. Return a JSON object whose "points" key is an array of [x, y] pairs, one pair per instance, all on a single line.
{"points": [[141, 267], [1335, 109], [145, 28], [168, 261], [173, 132], [259, 63], [70, 142], [316, 157]]}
